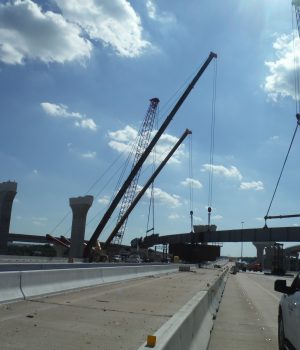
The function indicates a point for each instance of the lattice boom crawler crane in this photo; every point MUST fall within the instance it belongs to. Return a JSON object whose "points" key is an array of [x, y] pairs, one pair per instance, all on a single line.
{"points": [[142, 143]]}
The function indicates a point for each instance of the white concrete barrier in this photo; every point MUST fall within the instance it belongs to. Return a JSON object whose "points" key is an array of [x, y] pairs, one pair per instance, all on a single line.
{"points": [[190, 327], [10, 287], [114, 274], [38, 283], [29, 284]]}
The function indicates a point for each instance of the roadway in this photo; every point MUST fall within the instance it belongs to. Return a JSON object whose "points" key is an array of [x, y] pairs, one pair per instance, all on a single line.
{"points": [[247, 318], [111, 316]]}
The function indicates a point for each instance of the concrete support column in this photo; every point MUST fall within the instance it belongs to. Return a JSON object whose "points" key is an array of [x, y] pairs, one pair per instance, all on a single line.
{"points": [[260, 246], [80, 207], [8, 191]]}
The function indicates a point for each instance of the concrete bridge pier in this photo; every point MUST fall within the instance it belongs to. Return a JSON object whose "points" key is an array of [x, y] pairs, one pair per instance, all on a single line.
{"points": [[80, 207], [260, 247], [8, 191]]}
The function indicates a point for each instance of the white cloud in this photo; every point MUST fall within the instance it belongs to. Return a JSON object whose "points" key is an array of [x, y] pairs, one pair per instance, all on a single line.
{"points": [[28, 33], [260, 219], [62, 111], [71, 34], [90, 155], [231, 172], [123, 139], [173, 216], [192, 182], [87, 123], [104, 200], [280, 80], [162, 197], [253, 185], [35, 171], [113, 22], [158, 15]]}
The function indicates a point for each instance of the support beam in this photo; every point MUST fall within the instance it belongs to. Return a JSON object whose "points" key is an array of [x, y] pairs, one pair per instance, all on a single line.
{"points": [[275, 234]]}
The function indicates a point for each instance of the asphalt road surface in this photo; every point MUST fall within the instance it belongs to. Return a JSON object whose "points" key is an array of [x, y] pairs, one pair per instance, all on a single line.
{"points": [[247, 318]]}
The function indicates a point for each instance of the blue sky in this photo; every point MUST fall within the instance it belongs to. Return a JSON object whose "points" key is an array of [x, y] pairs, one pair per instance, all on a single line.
{"points": [[76, 78]]}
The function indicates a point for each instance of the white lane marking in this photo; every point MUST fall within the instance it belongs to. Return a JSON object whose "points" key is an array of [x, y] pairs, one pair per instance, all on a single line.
{"points": [[265, 290]]}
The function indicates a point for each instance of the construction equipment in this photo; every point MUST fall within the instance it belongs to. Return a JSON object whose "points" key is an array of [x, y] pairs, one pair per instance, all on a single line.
{"points": [[296, 3], [142, 143], [143, 157], [146, 186]]}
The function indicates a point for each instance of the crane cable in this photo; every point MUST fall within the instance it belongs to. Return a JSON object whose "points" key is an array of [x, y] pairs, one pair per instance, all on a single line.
{"points": [[151, 202], [212, 144], [284, 163], [191, 177], [296, 94]]}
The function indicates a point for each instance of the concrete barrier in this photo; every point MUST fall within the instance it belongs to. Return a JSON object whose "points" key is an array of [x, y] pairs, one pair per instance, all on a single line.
{"points": [[190, 327], [38, 283], [10, 287], [29, 284]]}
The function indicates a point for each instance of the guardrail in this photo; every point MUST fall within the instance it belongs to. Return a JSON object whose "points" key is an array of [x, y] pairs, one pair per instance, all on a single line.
{"points": [[28, 284], [190, 327]]}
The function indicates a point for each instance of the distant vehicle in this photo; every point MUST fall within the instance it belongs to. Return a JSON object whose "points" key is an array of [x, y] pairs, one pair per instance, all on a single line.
{"points": [[134, 259], [116, 258], [289, 314], [254, 267]]}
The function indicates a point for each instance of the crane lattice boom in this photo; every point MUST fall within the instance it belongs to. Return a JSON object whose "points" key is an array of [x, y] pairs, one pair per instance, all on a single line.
{"points": [[296, 3], [142, 143]]}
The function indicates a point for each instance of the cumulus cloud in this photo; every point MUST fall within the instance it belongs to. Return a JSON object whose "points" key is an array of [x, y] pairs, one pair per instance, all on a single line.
{"points": [[159, 16], [163, 197], [231, 172], [280, 80], [192, 182], [253, 185], [113, 22], [62, 111], [87, 123], [28, 33], [104, 200], [122, 141]]}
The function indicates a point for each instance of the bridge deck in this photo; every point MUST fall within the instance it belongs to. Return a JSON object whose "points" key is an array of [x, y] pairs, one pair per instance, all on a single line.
{"points": [[274, 234], [113, 316]]}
